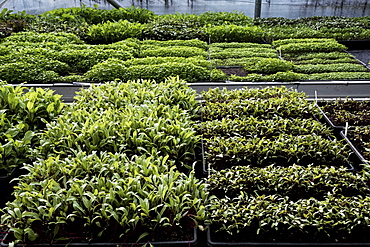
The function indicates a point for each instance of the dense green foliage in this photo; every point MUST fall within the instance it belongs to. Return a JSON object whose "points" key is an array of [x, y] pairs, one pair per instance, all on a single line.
{"points": [[282, 150], [217, 26], [217, 53], [287, 60], [270, 219], [142, 195], [269, 66], [23, 115], [262, 108], [226, 39], [259, 127], [62, 57], [115, 69], [360, 139], [171, 27], [116, 31], [275, 176], [278, 77], [325, 68], [296, 182], [347, 111], [274, 173], [320, 59], [33, 37], [234, 33], [337, 27], [117, 162], [175, 51], [178, 42], [265, 93], [96, 16], [334, 76]]}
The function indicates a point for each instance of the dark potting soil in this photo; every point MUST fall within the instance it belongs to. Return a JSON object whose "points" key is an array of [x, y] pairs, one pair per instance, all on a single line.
{"points": [[361, 142], [285, 235], [234, 71], [352, 118], [173, 234], [362, 55]]}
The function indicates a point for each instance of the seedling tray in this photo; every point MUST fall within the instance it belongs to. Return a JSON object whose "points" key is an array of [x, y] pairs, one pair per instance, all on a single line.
{"points": [[313, 89], [206, 167], [329, 122], [185, 243], [225, 244], [6, 186], [361, 159]]}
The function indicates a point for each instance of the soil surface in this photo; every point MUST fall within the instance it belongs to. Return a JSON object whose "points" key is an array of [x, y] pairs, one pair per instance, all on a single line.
{"points": [[362, 55], [234, 71]]}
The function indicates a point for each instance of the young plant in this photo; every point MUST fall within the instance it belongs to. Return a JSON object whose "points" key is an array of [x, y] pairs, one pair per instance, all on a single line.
{"points": [[114, 69], [340, 112], [262, 108], [234, 33], [23, 117], [72, 199], [269, 128], [296, 182], [225, 95], [283, 150], [110, 32]]}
